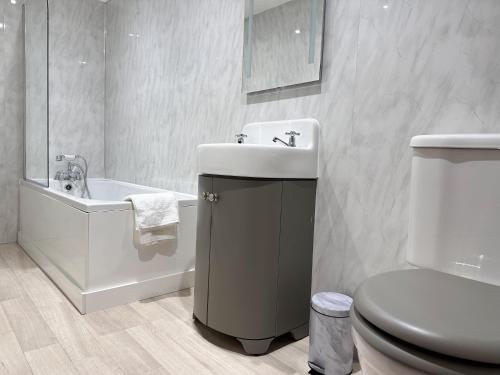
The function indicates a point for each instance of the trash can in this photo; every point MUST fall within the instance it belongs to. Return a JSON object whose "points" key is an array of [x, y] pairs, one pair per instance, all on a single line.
{"points": [[331, 346]]}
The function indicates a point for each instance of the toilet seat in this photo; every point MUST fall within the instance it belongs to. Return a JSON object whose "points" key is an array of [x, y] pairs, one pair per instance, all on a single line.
{"points": [[431, 320], [415, 357]]}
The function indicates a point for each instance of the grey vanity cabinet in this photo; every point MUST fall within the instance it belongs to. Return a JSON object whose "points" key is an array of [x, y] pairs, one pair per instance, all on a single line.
{"points": [[254, 255]]}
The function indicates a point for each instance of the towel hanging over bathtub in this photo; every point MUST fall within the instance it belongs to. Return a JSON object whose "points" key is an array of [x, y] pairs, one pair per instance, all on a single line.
{"points": [[156, 216]]}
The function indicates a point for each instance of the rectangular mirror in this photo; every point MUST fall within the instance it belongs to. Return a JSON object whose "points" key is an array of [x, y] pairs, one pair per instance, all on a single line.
{"points": [[283, 43]]}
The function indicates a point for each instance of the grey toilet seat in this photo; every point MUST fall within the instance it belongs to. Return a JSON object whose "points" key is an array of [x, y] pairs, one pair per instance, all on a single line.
{"points": [[436, 311], [413, 356], [431, 319]]}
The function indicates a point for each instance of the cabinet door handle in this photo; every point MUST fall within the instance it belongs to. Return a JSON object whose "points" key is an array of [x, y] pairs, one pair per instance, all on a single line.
{"points": [[213, 197]]}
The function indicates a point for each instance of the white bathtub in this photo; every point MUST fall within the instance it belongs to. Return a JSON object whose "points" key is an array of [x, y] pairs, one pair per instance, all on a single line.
{"points": [[86, 246]]}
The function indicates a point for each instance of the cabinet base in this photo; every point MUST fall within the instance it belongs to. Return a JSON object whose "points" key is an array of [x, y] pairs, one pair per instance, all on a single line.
{"points": [[258, 347], [255, 347], [300, 332]]}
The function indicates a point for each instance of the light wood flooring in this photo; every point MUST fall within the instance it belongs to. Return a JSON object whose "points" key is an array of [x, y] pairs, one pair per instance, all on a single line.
{"points": [[42, 333]]}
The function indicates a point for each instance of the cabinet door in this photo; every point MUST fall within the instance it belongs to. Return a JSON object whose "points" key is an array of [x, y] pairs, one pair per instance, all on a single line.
{"points": [[202, 250], [244, 257], [296, 253]]}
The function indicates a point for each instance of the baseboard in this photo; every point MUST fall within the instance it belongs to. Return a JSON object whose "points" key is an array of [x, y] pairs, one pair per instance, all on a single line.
{"points": [[99, 299], [121, 294]]}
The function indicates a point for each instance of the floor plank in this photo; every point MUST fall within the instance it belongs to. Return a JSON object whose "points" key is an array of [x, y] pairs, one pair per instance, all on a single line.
{"points": [[96, 366], [171, 356], [71, 331], [218, 359], [157, 336], [4, 322], [16, 258], [126, 352], [28, 325], [50, 360], [3, 263], [102, 323], [179, 303], [148, 309], [12, 360], [9, 285], [221, 352], [40, 289], [125, 316]]}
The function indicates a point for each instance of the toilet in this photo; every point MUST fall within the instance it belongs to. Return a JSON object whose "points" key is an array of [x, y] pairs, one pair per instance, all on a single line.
{"points": [[442, 317]]}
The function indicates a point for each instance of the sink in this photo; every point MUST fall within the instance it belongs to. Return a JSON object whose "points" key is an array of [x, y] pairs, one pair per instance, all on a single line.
{"points": [[260, 157]]}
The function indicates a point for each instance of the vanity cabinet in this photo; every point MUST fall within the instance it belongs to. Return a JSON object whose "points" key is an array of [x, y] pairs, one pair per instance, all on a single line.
{"points": [[254, 257]]}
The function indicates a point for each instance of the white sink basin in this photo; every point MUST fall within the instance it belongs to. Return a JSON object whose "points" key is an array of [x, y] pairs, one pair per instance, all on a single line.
{"points": [[260, 157]]}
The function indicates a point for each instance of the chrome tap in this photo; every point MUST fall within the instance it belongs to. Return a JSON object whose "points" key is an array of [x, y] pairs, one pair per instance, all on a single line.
{"points": [[291, 140], [276, 139], [292, 135], [69, 175], [74, 172], [240, 138]]}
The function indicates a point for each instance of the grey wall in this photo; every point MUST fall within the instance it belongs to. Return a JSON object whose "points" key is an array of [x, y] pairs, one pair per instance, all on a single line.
{"points": [[76, 82], [389, 73], [11, 117]]}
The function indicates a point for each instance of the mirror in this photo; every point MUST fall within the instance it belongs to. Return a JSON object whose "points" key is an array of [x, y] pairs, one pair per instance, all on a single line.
{"points": [[283, 43], [35, 16]]}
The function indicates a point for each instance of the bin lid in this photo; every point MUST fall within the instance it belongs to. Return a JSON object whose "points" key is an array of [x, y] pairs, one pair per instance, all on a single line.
{"points": [[332, 304]]}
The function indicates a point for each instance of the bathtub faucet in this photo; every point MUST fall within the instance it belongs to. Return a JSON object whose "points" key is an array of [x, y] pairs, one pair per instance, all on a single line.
{"points": [[69, 175], [75, 171]]}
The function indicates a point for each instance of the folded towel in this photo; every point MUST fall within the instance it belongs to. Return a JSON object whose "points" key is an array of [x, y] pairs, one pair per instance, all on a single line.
{"points": [[156, 216]]}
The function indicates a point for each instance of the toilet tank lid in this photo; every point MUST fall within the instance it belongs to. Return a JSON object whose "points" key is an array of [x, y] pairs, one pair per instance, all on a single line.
{"points": [[476, 141], [336, 305]]}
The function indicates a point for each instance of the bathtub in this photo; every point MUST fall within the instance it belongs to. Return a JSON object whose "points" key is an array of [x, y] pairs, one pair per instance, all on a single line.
{"points": [[87, 248]]}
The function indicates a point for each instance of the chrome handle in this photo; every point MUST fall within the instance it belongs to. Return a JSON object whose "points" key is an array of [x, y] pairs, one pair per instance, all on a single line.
{"points": [[292, 132], [211, 197], [240, 137]]}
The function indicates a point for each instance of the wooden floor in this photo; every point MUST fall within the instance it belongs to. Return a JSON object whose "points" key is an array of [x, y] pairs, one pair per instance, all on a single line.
{"points": [[42, 333]]}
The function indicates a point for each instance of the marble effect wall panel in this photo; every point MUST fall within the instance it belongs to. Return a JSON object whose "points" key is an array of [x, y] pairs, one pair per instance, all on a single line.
{"points": [[76, 82], [173, 79], [391, 69], [11, 117]]}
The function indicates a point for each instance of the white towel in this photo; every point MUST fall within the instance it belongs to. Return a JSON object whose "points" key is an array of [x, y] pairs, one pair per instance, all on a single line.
{"points": [[156, 216]]}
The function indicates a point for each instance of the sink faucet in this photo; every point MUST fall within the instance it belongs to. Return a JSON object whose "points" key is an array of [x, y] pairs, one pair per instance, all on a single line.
{"points": [[276, 139], [291, 140], [240, 138]]}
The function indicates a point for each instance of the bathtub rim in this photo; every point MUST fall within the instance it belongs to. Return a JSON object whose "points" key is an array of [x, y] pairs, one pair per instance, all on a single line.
{"points": [[95, 205]]}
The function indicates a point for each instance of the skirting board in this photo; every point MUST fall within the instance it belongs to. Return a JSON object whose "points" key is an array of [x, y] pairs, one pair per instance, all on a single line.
{"points": [[118, 295], [94, 300]]}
